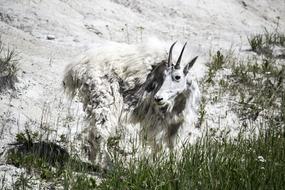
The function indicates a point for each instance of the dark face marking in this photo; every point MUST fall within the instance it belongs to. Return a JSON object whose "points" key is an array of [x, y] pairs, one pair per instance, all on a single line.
{"points": [[152, 84]]}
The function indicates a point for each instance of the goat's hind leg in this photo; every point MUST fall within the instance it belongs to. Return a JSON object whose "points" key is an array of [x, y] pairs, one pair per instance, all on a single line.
{"points": [[103, 108]]}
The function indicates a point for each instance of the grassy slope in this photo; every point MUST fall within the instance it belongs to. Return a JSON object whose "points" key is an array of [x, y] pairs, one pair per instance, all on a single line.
{"points": [[255, 162]]}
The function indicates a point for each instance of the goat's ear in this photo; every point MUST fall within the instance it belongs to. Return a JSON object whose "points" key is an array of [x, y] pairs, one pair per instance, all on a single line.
{"points": [[189, 65]]}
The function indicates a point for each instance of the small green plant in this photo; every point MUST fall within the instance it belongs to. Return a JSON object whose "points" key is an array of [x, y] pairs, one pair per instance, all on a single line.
{"points": [[27, 137], [202, 112], [274, 38], [216, 64], [256, 42], [262, 43], [8, 68], [23, 182]]}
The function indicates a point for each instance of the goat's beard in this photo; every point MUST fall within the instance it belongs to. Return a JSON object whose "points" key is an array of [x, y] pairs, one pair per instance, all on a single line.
{"points": [[164, 108], [167, 107], [147, 107]]}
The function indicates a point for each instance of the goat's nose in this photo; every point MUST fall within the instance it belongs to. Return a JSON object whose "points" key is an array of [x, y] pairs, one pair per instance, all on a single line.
{"points": [[158, 99]]}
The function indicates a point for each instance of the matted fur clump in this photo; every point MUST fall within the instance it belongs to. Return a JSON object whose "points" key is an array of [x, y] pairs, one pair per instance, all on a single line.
{"points": [[137, 95]]}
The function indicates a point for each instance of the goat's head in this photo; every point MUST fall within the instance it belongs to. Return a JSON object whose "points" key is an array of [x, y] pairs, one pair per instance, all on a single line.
{"points": [[168, 80]]}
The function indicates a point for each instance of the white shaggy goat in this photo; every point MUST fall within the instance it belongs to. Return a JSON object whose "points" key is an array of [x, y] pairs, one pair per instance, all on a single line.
{"points": [[134, 93]]}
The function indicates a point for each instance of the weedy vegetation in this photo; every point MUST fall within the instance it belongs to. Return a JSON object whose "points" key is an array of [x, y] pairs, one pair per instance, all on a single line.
{"points": [[8, 68], [262, 43], [246, 163], [254, 163], [216, 64], [50, 162], [23, 182], [260, 88]]}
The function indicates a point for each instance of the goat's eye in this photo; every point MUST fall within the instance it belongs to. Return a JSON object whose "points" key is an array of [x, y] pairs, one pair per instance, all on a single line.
{"points": [[177, 77], [150, 87]]}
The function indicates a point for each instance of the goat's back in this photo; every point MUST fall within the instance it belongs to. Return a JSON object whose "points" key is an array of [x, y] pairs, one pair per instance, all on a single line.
{"points": [[128, 62]]}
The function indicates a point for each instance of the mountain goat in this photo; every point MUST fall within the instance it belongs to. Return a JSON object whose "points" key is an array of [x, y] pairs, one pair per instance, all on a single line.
{"points": [[134, 92]]}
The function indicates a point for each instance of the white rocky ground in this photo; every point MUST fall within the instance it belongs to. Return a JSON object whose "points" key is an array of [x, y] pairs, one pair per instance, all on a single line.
{"points": [[74, 26]]}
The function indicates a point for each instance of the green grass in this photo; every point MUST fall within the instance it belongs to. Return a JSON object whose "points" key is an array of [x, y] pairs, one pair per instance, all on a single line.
{"points": [[244, 163], [255, 163]]}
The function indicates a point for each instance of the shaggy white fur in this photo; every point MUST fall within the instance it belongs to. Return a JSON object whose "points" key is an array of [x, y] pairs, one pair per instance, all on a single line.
{"points": [[111, 83]]}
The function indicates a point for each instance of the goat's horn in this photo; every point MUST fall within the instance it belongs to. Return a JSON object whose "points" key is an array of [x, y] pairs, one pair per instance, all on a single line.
{"points": [[177, 66], [170, 55]]}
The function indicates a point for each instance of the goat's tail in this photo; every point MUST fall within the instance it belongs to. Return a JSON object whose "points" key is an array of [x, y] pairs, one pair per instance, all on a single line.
{"points": [[72, 80]]}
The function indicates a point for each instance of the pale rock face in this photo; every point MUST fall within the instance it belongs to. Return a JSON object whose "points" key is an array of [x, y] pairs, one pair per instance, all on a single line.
{"points": [[278, 52]]}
